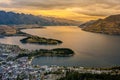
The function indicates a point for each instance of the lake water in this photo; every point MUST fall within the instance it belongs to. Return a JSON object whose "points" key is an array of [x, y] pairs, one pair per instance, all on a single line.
{"points": [[91, 49]]}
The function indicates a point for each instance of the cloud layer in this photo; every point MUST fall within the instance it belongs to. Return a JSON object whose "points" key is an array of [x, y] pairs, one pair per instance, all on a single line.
{"points": [[90, 8]]}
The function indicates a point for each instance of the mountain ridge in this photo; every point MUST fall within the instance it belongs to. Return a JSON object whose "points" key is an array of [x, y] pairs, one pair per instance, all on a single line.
{"points": [[12, 18], [109, 25]]}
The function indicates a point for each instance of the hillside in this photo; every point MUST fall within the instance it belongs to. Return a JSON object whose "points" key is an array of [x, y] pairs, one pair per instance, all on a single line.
{"points": [[7, 30], [87, 23], [109, 25], [11, 18]]}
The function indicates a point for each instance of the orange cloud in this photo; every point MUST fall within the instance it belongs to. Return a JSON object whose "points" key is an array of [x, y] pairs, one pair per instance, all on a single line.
{"points": [[82, 10]]}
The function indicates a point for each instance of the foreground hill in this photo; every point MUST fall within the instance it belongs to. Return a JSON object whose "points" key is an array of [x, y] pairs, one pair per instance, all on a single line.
{"points": [[109, 25], [11, 18]]}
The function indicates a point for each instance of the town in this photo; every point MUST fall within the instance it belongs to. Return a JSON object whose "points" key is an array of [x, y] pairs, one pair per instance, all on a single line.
{"points": [[22, 69]]}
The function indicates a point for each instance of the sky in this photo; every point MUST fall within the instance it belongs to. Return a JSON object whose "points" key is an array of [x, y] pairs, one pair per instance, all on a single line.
{"points": [[80, 10]]}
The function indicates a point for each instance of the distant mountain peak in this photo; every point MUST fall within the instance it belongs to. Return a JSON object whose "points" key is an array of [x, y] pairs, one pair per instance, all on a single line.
{"points": [[12, 18]]}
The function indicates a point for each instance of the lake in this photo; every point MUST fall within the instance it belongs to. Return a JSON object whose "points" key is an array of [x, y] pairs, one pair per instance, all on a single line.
{"points": [[91, 49]]}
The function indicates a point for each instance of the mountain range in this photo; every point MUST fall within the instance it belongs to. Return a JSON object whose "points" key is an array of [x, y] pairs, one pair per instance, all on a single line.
{"points": [[12, 18], [109, 25]]}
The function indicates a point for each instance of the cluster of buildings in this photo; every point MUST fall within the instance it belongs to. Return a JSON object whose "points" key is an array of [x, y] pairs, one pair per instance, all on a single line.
{"points": [[10, 51], [22, 69]]}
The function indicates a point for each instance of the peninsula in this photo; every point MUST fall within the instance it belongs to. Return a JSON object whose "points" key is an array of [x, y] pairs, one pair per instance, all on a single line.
{"points": [[57, 52]]}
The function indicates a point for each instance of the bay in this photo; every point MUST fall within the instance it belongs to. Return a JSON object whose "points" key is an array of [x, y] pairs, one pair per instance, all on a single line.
{"points": [[91, 49]]}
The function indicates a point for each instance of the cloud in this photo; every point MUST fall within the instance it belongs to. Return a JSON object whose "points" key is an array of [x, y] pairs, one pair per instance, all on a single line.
{"points": [[56, 4], [99, 8]]}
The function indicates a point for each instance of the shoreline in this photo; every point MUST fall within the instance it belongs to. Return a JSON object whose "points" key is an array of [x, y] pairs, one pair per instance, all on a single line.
{"points": [[80, 63], [57, 42]]}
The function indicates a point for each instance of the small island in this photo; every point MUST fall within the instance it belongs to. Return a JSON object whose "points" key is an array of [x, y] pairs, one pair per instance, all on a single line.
{"points": [[40, 40], [58, 52]]}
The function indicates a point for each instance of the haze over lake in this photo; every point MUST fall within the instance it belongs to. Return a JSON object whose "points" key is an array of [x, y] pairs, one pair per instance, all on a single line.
{"points": [[91, 49]]}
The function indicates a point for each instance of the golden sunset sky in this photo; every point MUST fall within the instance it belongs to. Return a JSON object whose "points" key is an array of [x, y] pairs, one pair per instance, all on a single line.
{"points": [[82, 10]]}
